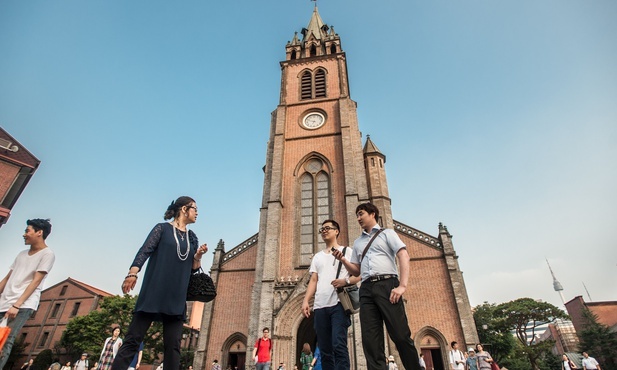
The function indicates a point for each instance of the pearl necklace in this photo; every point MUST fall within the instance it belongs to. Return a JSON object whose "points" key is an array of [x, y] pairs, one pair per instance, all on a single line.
{"points": [[181, 256]]}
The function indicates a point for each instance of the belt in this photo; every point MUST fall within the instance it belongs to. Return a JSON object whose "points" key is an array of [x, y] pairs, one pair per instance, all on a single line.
{"points": [[375, 278]]}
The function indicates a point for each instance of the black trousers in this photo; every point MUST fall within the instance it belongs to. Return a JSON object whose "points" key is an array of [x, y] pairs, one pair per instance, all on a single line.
{"points": [[375, 310], [172, 334]]}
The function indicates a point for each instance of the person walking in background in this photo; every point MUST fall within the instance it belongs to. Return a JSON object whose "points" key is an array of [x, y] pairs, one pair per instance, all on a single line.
{"points": [[21, 287], [566, 363], [216, 365], [110, 349], [316, 364], [330, 321], [381, 292], [472, 360], [590, 363], [27, 365], [422, 362], [137, 358], [173, 252], [262, 352], [391, 363], [306, 357], [484, 358], [456, 357], [67, 366], [82, 363]]}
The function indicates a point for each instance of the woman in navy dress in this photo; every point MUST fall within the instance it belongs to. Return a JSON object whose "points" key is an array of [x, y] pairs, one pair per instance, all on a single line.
{"points": [[174, 252]]}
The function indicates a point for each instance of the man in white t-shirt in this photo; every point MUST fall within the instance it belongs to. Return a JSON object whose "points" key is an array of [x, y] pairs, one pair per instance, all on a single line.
{"points": [[82, 363], [21, 287], [456, 357], [330, 320]]}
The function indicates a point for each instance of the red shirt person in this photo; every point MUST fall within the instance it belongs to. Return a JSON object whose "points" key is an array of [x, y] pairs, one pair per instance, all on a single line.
{"points": [[262, 351]]}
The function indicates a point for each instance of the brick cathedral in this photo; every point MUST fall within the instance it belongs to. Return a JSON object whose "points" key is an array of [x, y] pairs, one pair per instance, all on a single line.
{"points": [[317, 167]]}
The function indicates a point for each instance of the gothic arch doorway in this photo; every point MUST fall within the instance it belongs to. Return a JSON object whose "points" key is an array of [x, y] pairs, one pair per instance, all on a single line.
{"points": [[234, 352], [306, 334], [433, 345]]}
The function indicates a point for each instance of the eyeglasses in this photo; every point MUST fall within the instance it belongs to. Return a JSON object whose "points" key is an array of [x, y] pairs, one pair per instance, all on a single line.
{"points": [[325, 229], [195, 208]]}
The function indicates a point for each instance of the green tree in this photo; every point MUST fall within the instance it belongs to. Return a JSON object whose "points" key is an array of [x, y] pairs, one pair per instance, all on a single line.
{"points": [[493, 332], [598, 340], [524, 316], [88, 333]]}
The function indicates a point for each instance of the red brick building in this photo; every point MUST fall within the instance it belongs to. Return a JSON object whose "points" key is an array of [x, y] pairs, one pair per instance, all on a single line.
{"points": [[606, 312], [318, 168], [59, 304], [17, 165]]}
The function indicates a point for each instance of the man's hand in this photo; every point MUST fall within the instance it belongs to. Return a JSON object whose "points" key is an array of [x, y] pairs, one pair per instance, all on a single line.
{"points": [[306, 309], [338, 283], [396, 294], [11, 313]]}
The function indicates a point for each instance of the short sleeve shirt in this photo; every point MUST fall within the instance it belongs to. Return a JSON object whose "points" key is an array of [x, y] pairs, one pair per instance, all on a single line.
{"points": [[263, 349], [325, 265], [22, 273], [380, 259]]}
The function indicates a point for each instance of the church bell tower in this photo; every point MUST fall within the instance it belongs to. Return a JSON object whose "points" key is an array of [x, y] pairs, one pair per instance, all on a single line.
{"points": [[314, 171]]}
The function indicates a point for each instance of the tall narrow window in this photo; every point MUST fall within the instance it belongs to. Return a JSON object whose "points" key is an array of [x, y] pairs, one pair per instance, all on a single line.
{"points": [[75, 309], [44, 339], [333, 49], [63, 291], [293, 55], [314, 209], [313, 51], [54, 311], [307, 88], [320, 84]]}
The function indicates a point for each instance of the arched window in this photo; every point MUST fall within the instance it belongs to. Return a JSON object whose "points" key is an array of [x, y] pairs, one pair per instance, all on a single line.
{"points": [[314, 208], [320, 84], [313, 51], [313, 86], [333, 49], [306, 86], [293, 55]]}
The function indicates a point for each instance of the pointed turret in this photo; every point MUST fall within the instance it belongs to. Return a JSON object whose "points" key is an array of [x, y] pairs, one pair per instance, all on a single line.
{"points": [[315, 28], [378, 193], [318, 39]]}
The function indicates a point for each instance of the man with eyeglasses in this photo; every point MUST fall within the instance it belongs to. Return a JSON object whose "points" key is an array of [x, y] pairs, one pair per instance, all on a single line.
{"points": [[262, 352], [330, 320], [374, 257]]}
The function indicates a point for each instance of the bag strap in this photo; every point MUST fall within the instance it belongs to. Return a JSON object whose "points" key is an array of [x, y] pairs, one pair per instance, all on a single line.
{"points": [[340, 264], [369, 244]]}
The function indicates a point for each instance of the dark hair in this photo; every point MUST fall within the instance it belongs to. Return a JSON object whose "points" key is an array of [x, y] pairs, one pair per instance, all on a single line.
{"points": [[453, 343], [39, 224], [369, 208], [113, 328], [306, 348], [335, 224], [264, 329], [174, 208]]}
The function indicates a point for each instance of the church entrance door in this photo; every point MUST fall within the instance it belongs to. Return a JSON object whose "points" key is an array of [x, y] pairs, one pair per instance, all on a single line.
{"points": [[306, 334]]}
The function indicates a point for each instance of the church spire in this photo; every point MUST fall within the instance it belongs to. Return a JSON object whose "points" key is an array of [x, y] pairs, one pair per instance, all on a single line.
{"points": [[316, 27]]}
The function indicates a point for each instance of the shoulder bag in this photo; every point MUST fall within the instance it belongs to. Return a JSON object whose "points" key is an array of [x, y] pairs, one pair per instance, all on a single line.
{"points": [[201, 287], [349, 295]]}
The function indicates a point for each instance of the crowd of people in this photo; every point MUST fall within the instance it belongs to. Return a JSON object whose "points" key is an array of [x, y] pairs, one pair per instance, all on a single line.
{"points": [[378, 259]]}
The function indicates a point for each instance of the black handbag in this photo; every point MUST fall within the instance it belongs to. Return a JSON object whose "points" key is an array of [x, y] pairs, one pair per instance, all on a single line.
{"points": [[201, 287]]}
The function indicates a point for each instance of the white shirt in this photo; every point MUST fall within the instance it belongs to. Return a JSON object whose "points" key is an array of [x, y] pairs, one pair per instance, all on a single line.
{"points": [[422, 363], [457, 355], [325, 265], [81, 364], [589, 363], [22, 274]]}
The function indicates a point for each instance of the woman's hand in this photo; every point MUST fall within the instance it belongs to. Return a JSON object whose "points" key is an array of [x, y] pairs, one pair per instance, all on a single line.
{"points": [[201, 251], [129, 283]]}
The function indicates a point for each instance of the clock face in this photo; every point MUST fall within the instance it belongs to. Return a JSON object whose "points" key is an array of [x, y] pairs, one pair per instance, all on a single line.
{"points": [[313, 120]]}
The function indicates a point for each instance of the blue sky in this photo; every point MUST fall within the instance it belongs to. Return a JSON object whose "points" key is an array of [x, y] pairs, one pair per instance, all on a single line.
{"points": [[498, 118]]}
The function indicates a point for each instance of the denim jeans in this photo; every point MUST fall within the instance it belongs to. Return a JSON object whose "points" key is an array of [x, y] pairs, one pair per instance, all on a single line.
{"points": [[331, 324], [262, 366], [15, 324]]}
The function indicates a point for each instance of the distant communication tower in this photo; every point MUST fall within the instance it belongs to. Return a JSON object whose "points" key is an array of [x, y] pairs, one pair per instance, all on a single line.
{"points": [[556, 284]]}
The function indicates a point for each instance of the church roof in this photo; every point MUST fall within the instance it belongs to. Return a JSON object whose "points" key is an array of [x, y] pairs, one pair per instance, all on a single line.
{"points": [[370, 146], [316, 27]]}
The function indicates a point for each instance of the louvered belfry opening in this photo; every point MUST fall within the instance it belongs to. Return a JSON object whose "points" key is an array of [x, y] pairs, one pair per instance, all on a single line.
{"points": [[320, 84], [306, 86]]}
